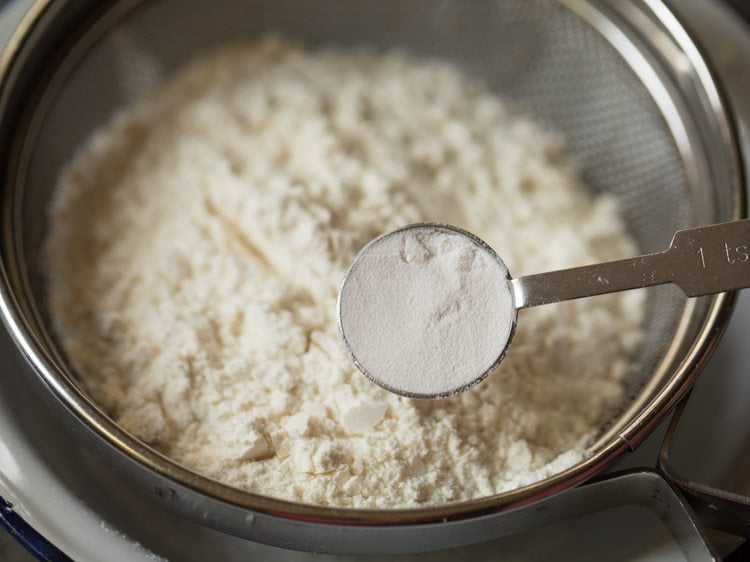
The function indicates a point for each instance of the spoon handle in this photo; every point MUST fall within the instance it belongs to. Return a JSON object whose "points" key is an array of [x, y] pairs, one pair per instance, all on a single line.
{"points": [[701, 261]]}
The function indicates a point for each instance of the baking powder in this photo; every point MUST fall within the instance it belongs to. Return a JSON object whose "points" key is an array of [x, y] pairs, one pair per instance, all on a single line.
{"points": [[426, 311]]}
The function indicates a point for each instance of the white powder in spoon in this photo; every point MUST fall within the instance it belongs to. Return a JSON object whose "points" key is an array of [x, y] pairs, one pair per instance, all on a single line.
{"points": [[197, 245], [426, 311]]}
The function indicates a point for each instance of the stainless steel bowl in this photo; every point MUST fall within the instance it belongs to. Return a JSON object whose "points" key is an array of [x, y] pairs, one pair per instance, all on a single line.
{"points": [[622, 80]]}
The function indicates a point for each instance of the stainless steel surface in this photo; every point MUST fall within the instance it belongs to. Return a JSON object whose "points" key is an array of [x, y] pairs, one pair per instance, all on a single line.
{"points": [[700, 261], [716, 508], [622, 80]]}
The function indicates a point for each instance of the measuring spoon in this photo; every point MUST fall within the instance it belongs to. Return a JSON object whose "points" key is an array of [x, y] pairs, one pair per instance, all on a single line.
{"points": [[416, 325]]}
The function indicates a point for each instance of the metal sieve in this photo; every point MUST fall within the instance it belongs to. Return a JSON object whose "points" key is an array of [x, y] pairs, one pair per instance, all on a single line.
{"points": [[623, 81]]}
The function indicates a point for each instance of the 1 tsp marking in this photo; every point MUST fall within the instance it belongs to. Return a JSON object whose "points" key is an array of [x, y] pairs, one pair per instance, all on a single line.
{"points": [[738, 254]]}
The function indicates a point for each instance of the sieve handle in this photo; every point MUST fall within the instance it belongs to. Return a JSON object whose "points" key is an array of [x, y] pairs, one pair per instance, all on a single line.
{"points": [[701, 261]]}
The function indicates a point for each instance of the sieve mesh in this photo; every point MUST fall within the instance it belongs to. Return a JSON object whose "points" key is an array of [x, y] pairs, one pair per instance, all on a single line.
{"points": [[542, 54]]}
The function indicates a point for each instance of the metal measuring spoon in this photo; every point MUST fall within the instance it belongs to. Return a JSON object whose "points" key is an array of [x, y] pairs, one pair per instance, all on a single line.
{"points": [[701, 261]]}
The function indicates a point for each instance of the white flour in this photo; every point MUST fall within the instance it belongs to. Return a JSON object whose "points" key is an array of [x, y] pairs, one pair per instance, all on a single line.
{"points": [[198, 242], [426, 311]]}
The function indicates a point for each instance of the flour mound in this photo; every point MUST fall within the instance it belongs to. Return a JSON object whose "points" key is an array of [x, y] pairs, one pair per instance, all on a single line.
{"points": [[198, 241]]}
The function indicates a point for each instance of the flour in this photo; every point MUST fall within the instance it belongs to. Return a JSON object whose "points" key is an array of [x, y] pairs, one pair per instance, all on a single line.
{"points": [[198, 241], [426, 311]]}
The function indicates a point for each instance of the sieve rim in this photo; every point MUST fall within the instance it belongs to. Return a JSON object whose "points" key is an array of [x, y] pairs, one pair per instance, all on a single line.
{"points": [[68, 395]]}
